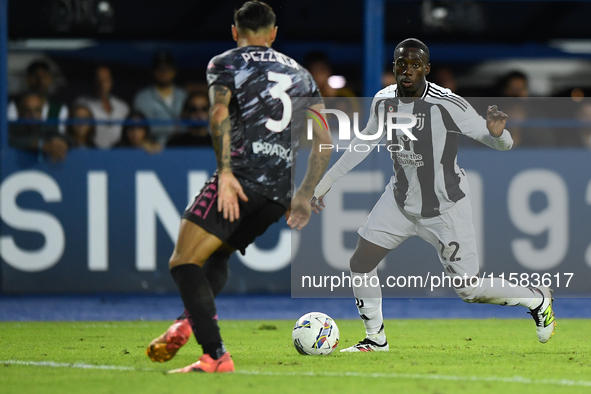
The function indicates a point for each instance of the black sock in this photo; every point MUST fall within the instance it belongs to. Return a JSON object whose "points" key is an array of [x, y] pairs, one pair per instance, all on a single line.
{"points": [[214, 349], [199, 302], [216, 271]]}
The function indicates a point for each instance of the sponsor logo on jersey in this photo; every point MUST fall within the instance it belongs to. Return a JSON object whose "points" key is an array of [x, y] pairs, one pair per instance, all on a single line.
{"points": [[268, 149], [410, 159]]}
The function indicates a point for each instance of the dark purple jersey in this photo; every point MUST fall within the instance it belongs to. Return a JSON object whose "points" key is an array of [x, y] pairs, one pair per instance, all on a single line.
{"points": [[263, 83]]}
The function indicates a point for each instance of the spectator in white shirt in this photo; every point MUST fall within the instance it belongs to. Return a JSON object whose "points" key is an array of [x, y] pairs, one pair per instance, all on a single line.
{"points": [[105, 107]]}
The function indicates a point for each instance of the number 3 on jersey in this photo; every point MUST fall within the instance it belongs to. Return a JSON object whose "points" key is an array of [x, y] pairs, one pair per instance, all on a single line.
{"points": [[279, 91]]}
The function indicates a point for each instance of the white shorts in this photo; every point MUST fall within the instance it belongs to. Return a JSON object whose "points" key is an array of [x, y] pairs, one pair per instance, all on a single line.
{"points": [[451, 233]]}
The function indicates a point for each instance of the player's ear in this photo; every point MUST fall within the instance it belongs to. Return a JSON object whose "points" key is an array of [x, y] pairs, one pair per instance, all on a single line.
{"points": [[234, 33], [273, 34], [428, 69]]}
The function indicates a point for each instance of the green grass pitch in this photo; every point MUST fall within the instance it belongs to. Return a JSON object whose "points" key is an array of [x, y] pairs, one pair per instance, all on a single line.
{"points": [[426, 356]]}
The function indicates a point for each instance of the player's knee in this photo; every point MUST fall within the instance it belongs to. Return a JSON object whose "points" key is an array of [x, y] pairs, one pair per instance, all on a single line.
{"points": [[178, 259], [173, 262], [362, 264], [357, 264], [468, 293], [354, 264]]}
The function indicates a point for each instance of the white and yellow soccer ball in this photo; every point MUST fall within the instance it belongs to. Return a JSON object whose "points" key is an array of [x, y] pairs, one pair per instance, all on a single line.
{"points": [[315, 334]]}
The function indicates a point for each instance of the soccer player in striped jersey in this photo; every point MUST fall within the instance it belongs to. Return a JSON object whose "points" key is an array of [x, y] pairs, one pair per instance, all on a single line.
{"points": [[428, 195]]}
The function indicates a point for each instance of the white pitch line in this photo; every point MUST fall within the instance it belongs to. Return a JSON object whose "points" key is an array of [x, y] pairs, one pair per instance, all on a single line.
{"points": [[500, 379], [54, 364]]}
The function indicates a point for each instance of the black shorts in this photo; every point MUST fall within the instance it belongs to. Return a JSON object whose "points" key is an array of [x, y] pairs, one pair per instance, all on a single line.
{"points": [[256, 215]]}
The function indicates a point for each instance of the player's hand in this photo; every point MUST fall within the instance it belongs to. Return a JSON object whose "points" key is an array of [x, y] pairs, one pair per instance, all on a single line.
{"points": [[300, 212], [323, 187], [317, 204], [495, 121], [229, 190]]}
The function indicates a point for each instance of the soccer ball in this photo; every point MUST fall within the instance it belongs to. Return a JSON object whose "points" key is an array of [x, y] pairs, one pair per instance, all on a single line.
{"points": [[315, 334]]}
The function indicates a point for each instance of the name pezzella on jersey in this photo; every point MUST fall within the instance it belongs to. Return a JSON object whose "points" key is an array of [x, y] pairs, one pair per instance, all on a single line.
{"points": [[269, 56]]}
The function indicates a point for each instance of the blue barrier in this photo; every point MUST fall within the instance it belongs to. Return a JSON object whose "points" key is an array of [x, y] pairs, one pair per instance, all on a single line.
{"points": [[105, 221], [111, 308], [531, 209]]}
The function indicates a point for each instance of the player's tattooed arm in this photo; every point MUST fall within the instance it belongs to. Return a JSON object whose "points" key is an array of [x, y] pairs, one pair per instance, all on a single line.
{"points": [[229, 188], [317, 164], [220, 125], [301, 206], [318, 159]]}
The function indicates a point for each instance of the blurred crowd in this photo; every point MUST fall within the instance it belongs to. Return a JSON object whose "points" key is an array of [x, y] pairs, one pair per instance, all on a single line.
{"points": [[549, 122], [163, 114]]}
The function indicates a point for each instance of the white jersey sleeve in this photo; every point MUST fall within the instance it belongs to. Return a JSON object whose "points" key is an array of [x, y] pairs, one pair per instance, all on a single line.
{"points": [[350, 158], [473, 125]]}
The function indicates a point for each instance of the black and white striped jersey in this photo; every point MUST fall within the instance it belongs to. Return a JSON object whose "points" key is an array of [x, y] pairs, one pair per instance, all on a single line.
{"points": [[426, 178]]}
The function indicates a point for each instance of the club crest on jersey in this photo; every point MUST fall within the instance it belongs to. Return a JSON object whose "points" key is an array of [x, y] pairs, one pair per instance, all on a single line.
{"points": [[420, 121]]}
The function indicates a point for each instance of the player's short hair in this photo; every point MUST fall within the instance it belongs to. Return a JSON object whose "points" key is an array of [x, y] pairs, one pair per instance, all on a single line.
{"points": [[38, 65], [254, 15], [413, 43]]}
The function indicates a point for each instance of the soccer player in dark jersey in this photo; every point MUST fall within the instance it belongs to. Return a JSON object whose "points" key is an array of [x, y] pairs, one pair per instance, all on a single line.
{"points": [[250, 90], [428, 196]]}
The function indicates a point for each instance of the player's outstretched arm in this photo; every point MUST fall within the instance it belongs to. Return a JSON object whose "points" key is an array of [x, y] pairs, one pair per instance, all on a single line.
{"points": [[229, 189], [495, 121], [349, 160], [490, 131], [301, 208]]}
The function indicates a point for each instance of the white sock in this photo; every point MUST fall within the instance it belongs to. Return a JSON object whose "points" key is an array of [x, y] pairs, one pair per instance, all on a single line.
{"points": [[502, 292], [368, 299]]}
